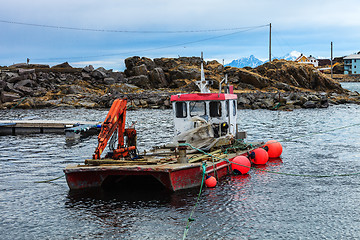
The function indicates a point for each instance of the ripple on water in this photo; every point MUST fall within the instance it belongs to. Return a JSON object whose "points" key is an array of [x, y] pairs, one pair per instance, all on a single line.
{"points": [[260, 205]]}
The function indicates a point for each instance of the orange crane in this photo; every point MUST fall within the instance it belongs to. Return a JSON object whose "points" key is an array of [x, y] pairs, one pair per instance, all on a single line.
{"points": [[115, 119]]}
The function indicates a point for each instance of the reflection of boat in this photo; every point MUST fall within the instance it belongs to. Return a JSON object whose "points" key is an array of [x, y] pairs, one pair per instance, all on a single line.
{"points": [[205, 121]]}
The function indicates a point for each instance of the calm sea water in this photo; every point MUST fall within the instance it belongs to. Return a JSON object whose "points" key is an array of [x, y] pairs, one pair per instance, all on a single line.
{"points": [[260, 205], [352, 86]]}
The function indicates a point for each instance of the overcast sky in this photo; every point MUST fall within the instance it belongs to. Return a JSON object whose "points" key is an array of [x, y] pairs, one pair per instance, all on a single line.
{"points": [[166, 28]]}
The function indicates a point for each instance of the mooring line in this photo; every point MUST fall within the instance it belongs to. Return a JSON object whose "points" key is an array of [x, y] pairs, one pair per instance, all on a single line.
{"points": [[18, 103], [50, 180], [320, 132], [269, 171], [190, 219]]}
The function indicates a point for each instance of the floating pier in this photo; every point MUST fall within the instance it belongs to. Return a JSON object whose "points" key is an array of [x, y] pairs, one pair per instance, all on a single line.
{"points": [[72, 129]]}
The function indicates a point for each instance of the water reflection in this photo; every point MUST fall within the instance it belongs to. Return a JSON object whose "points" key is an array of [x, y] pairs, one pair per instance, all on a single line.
{"points": [[134, 197]]}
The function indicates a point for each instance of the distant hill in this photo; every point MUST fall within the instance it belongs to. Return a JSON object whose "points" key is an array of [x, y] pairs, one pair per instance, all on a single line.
{"points": [[254, 62]]}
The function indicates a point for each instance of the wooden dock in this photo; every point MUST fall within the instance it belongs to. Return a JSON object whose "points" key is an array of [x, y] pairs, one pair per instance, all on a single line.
{"points": [[72, 129]]}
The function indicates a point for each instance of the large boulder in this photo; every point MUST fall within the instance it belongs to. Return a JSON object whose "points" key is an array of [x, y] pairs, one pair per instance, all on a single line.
{"points": [[2, 84], [158, 78], [98, 74], [23, 71], [109, 81], [9, 97], [25, 90], [166, 63], [26, 83], [117, 76], [140, 70], [88, 69], [9, 75], [132, 62], [244, 76], [141, 81]]}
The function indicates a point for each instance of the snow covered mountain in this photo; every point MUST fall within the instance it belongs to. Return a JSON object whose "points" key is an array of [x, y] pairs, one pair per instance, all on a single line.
{"points": [[290, 56], [253, 62]]}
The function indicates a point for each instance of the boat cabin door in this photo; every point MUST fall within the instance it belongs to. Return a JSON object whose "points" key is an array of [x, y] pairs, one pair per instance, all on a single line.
{"points": [[231, 113]]}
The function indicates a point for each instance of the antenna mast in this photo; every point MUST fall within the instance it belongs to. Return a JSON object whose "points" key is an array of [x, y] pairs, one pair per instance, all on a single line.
{"points": [[203, 85]]}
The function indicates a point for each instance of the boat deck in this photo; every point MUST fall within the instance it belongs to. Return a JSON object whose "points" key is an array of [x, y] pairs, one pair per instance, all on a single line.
{"points": [[173, 175]]}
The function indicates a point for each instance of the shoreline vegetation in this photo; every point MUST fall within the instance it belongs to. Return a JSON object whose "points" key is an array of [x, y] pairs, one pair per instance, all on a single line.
{"points": [[149, 83]]}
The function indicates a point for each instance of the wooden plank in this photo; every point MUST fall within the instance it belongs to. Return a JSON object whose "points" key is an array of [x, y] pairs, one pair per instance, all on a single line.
{"points": [[204, 156], [112, 161]]}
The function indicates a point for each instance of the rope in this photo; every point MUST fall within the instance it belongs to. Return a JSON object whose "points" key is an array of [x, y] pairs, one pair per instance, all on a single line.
{"points": [[46, 181], [274, 172], [239, 144], [321, 132], [18, 103], [277, 106], [190, 219]]}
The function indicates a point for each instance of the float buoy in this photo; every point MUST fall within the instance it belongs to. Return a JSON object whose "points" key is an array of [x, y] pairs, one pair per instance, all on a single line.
{"points": [[210, 181], [260, 156], [274, 148], [240, 165]]}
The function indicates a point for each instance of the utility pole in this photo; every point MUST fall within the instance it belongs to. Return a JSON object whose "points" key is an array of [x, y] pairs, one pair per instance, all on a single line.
{"points": [[331, 60], [270, 44]]}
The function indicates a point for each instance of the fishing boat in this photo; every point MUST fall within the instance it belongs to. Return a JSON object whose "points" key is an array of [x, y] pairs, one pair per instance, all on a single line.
{"points": [[207, 140]]}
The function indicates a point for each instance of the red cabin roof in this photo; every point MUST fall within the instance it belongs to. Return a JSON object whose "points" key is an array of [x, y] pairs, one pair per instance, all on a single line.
{"points": [[203, 97]]}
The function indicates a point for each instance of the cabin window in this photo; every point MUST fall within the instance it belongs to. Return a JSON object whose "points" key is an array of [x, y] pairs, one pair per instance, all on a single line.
{"points": [[234, 108], [181, 109], [215, 109], [197, 109], [227, 106]]}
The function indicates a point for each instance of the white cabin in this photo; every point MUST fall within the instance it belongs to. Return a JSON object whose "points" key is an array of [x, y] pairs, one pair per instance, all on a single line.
{"points": [[218, 109]]}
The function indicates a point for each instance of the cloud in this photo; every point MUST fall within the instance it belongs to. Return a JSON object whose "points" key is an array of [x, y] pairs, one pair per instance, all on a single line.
{"points": [[306, 26]]}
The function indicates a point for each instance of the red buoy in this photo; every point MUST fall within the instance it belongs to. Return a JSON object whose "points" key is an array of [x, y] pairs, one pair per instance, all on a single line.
{"points": [[274, 148], [261, 156], [210, 181], [240, 165]]}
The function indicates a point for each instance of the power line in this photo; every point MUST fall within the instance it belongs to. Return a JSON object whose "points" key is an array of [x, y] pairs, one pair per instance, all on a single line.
{"points": [[126, 31], [152, 49]]}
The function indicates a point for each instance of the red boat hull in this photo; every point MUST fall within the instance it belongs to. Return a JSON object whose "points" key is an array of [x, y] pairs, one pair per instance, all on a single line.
{"points": [[172, 176]]}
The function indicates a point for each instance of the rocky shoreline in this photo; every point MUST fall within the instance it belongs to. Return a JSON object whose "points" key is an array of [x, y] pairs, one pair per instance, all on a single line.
{"points": [[147, 83]]}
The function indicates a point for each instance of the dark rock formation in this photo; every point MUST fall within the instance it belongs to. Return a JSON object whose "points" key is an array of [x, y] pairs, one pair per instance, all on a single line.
{"points": [[149, 83], [62, 65]]}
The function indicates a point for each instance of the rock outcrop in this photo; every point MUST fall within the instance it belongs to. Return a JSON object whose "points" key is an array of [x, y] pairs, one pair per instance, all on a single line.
{"points": [[179, 72], [149, 83]]}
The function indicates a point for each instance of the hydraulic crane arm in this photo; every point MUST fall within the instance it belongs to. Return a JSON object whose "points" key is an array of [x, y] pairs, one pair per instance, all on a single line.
{"points": [[115, 119]]}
